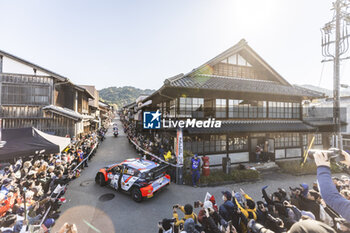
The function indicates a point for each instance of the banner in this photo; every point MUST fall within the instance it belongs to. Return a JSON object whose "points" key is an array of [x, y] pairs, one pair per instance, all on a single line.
{"points": [[179, 147]]}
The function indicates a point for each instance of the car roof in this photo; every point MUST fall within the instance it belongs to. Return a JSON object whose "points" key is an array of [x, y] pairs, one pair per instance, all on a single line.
{"points": [[138, 164]]}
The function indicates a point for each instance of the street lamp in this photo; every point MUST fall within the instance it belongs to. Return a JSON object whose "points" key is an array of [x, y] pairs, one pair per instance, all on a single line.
{"points": [[335, 43]]}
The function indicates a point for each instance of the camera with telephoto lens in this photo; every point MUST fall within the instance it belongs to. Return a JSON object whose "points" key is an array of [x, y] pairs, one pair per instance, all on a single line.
{"points": [[333, 154], [276, 221], [257, 227]]}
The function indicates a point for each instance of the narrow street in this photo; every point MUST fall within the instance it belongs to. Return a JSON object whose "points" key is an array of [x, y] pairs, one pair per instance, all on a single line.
{"points": [[92, 211]]}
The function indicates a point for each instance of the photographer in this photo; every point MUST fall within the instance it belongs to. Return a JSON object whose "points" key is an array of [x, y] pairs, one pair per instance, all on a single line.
{"points": [[209, 218], [187, 210], [257, 227], [329, 192], [229, 211], [248, 208]]}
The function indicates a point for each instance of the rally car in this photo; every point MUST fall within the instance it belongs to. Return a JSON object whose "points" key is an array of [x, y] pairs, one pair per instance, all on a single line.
{"points": [[141, 178]]}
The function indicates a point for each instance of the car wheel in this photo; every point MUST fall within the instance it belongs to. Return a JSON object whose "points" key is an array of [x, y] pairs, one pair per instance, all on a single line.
{"points": [[136, 195], [100, 179]]}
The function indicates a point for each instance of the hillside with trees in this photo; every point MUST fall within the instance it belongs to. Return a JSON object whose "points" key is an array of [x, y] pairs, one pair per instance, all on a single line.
{"points": [[121, 96]]}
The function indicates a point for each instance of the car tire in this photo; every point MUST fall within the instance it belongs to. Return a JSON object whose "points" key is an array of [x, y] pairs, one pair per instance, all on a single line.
{"points": [[100, 179], [136, 194]]}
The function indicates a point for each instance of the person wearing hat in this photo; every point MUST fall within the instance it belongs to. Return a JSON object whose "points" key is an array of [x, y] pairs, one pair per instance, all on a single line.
{"points": [[276, 200], [229, 211], [195, 168], [248, 209], [311, 226], [209, 218], [304, 189]]}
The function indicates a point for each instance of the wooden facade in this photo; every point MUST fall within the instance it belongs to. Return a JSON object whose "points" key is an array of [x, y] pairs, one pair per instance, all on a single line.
{"points": [[25, 100], [256, 105]]}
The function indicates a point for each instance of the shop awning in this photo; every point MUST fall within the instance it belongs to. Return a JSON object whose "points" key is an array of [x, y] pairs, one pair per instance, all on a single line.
{"points": [[255, 126], [62, 142], [24, 142]]}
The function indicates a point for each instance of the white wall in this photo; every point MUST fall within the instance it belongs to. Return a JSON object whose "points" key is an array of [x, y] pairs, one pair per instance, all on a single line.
{"points": [[294, 152], [235, 158], [279, 154]]}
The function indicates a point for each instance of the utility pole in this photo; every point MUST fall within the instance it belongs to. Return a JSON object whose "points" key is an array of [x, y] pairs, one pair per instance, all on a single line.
{"points": [[335, 37], [336, 82]]}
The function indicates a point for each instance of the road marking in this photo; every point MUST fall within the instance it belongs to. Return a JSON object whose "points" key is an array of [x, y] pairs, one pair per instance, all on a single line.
{"points": [[91, 226]]}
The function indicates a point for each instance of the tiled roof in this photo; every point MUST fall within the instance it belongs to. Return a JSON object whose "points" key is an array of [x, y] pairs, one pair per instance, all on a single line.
{"points": [[255, 126], [326, 121], [214, 82], [64, 111]]}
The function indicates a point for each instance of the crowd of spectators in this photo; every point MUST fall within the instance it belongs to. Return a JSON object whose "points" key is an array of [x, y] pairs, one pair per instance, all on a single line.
{"points": [[32, 188], [323, 206], [150, 141]]}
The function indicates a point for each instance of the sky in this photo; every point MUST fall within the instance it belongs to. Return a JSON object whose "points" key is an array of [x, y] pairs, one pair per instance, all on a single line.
{"points": [[141, 43]]}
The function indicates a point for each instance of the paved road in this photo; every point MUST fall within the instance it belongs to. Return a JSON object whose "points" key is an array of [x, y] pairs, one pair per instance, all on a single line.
{"points": [[123, 215]]}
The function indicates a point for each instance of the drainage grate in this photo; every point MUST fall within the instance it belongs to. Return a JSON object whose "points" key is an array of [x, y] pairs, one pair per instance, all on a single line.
{"points": [[86, 183], [106, 197]]}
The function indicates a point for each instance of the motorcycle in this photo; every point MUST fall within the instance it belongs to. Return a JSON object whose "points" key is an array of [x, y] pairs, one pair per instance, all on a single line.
{"points": [[115, 133]]}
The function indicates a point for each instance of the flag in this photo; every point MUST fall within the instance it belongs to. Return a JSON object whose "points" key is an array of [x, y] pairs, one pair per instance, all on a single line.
{"points": [[179, 147]]}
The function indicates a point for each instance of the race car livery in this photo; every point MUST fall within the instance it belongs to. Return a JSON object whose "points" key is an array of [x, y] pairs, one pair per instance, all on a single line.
{"points": [[139, 177]]}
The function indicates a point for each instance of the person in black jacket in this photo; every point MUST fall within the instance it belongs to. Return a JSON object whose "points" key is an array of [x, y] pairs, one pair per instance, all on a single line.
{"points": [[209, 218], [229, 211]]}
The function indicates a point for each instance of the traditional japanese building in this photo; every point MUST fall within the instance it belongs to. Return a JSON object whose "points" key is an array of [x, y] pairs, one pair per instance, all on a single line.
{"points": [[31, 95], [256, 105]]}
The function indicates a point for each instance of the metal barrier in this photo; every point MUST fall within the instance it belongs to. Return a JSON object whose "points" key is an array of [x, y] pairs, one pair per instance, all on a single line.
{"points": [[85, 158], [63, 187]]}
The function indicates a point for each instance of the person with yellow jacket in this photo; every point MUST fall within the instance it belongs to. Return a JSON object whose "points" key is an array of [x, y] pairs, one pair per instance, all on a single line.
{"points": [[248, 210], [167, 156], [187, 210]]}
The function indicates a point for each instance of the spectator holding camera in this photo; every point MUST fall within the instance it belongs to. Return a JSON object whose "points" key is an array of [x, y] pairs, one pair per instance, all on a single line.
{"points": [[209, 218], [329, 192], [187, 210], [229, 211]]}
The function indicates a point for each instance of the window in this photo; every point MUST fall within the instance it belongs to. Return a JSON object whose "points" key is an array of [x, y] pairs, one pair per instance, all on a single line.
{"points": [[172, 107], [236, 59], [305, 140], [233, 108], [237, 143], [220, 142], [272, 109], [262, 108], [318, 139], [284, 110], [296, 110], [190, 107], [283, 140], [280, 109], [288, 110], [246, 109], [220, 108], [212, 143], [25, 94], [242, 109]]}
